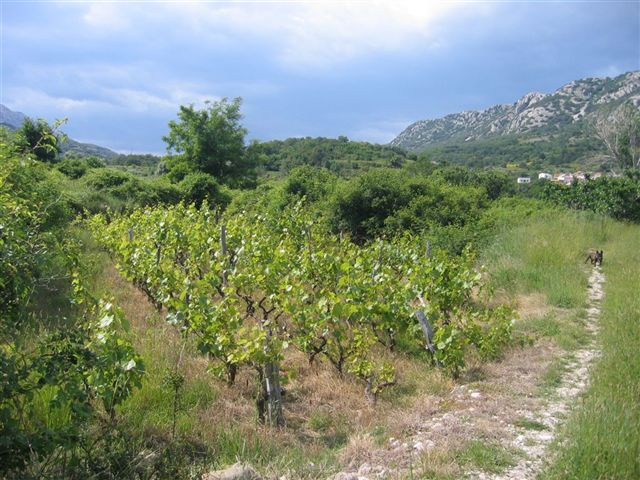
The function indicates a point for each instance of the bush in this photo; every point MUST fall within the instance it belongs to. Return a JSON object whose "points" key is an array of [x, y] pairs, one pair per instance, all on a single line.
{"points": [[177, 169], [108, 178], [33, 213], [38, 137], [388, 202], [94, 162], [441, 205], [310, 182], [116, 189], [362, 205], [618, 198], [73, 167], [201, 187]]}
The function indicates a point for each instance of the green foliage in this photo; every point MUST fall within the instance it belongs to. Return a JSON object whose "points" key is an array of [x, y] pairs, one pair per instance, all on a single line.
{"points": [[617, 197], [93, 162], [32, 215], [108, 179], [362, 206], [54, 373], [115, 189], [495, 183], [339, 155], [250, 286], [211, 141], [312, 183], [387, 201], [39, 138], [136, 159], [178, 168], [49, 391], [449, 344], [73, 167], [201, 187]]}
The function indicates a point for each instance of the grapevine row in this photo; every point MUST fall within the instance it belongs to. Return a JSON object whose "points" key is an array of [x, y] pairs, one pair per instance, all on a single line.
{"points": [[249, 287]]}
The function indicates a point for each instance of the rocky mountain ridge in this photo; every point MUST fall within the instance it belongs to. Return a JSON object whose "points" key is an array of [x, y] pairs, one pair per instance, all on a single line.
{"points": [[535, 112]]}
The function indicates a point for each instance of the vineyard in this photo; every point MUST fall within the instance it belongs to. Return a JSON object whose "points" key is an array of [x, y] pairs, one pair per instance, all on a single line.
{"points": [[250, 287], [316, 328]]}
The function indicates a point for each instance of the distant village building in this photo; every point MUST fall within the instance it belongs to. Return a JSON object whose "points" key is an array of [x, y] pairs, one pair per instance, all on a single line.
{"points": [[545, 176], [568, 178], [524, 180]]}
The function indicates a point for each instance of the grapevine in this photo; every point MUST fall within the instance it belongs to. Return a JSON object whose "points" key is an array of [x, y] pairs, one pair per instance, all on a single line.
{"points": [[248, 287]]}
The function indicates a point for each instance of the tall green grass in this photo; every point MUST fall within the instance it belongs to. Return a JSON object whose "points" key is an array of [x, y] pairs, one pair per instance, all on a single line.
{"points": [[546, 254], [602, 439]]}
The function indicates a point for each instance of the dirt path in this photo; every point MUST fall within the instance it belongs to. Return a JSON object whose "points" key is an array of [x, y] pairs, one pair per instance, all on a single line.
{"points": [[503, 409], [534, 443]]}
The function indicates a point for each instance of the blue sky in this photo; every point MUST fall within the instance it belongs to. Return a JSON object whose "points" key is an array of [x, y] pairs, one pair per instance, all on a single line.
{"points": [[119, 70]]}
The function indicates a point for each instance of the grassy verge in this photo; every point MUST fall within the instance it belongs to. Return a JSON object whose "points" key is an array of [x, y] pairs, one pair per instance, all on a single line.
{"points": [[602, 439], [547, 254], [486, 456], [542, 258]]}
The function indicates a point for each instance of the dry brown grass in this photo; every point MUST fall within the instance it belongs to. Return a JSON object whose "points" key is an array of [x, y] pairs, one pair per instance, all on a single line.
{"points": [[439, 462], [532, 305], [312, 391], [326, 410]]}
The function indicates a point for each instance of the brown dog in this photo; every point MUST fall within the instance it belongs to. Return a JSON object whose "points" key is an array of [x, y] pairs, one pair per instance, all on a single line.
{"points": [[595, 257]]}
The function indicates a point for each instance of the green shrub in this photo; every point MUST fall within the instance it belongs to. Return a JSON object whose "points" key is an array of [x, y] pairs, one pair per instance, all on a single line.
{"points": [[72, 167], [313, 183], [201, 187], [115, 189], [108, 179], [618, 197]]}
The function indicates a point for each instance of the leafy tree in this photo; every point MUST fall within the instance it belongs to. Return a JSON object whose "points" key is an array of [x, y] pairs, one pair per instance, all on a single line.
{"points": [[362, 205], [211, 140], [39, 138]]}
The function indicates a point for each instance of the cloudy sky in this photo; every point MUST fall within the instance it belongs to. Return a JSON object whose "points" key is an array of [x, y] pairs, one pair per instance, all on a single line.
{"points": [[119, 70]]}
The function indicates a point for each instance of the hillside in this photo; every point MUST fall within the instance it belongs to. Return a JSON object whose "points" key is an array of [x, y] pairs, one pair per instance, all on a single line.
{"points": [[536, 116], [340, 155], [10, 119], [13, 120]]}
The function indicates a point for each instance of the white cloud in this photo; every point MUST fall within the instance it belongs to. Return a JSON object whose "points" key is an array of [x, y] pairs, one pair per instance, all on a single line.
{"points": [[170, 99], [379, 132], [105, 99], [300, 35], [31, 100], [106, 16], [322, 35]]}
